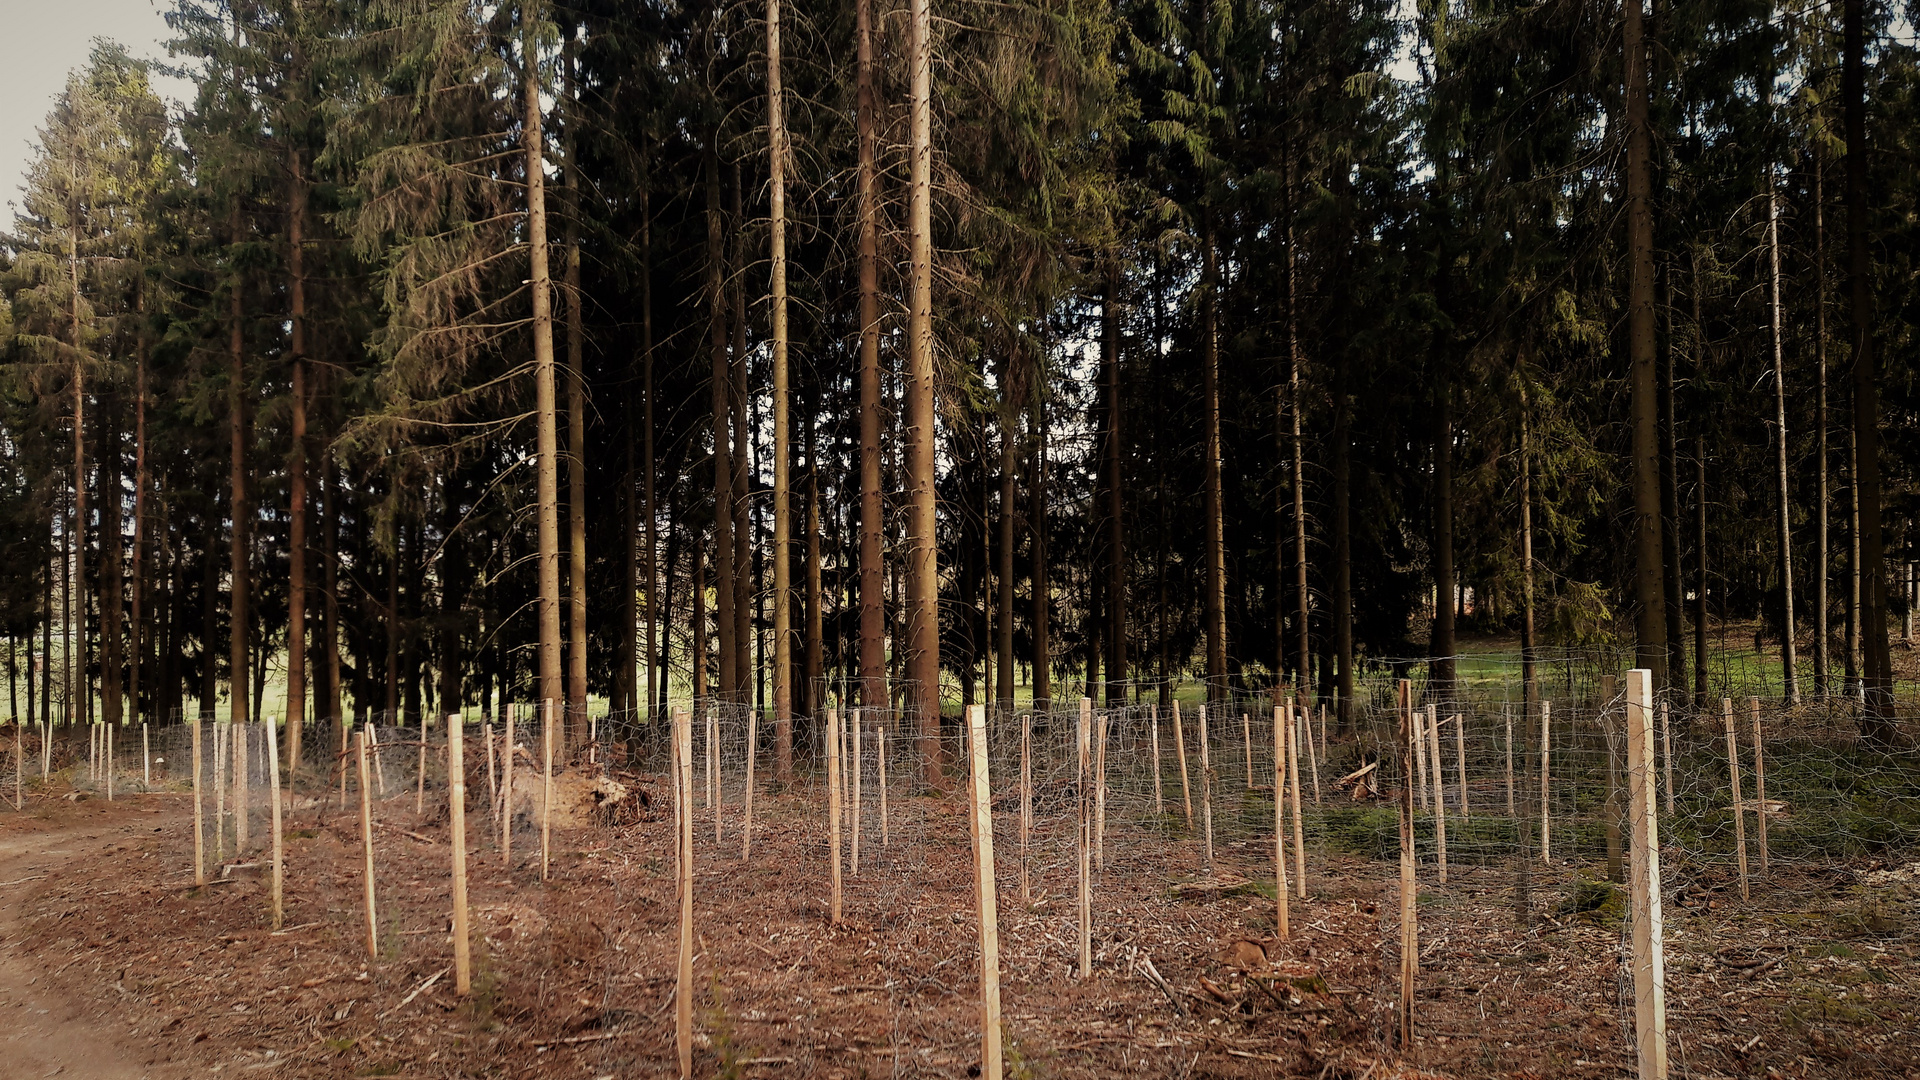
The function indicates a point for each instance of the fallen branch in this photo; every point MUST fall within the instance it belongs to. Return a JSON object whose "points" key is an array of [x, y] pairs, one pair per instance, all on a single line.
{"points": [[574, 1040], [1146, 968], [417, 991]]}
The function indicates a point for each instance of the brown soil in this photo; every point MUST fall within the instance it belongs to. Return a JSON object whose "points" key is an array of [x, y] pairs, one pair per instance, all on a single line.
{"points": [[141, 974]]}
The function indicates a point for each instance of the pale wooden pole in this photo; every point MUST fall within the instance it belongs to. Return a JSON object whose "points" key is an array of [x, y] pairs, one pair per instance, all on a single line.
{"points": [[1420, 753], [713, 775], [1281, 915], [1506, 713], [420, 772], [1649, 975], [1299, 827], [1439, 790], [1026, 803], [506, 795], [880, 742], [1739, 813], [457, 827], [1409, 912], [1323, 728], [20, 765], [1100, 794], [855, 725], [379, 759], [199, 825], [1153, 732], [1246, 741], [366, 842], [238, 751], [346, 725], [279, 852], [746, 798], [683, 981], [146, 758], [1304, 720], [546, 790], [1546, 808], [833, 814], [1759, 785], [1206, 788], [1459, 722], [1083, 734], [982, 791], [493, 770], [1180, 753], [1666, 741], [219, 792], [107, 739]]}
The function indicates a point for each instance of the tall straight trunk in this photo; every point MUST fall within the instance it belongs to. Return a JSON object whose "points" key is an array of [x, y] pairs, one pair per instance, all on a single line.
{"points": [[330, 586], [138, 637], [814, 690], [78, 561], [1342, 548], [1783, 524], [1216, 598], [1116, 597], [782, 524], [1009, 468], [723, 598], [1877, 669], [391, 703], [745, 592], [1649, 620], [297, 461], [1821, 555], [1853, 688], [239, 506], [112, 589], [923, 581], [627, 680], [873, 605], [575, 730], [1528, 659], [1441, 644], [209, 620], [551, 686], [452, 572], [1296, 406], [697, 662], [646, 438], [1700, 583], [1670, 547], [1042, 659]]}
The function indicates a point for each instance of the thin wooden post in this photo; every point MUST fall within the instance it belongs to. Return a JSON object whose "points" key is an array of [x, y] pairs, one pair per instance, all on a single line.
{"points": [[493, 771], [379, 759], [833, 813], [1246, 740], [366, 842], [546, 796], [1180, 753], [20, 765], [1739, 813], [855, 852], [1649, 974], [1666, 741], [1304, 716], [1100, 794], [1459, 722], [746, 798], [1409, 912], [1546, 808], [457, 827], [1439, 790], [1083, 733], [880, 745], [506, 794], [237, 754], [986, 897], [1323, 727], [1759, 786], [1281, 915], [1299, 826], [1420, 753], [106, 739], [683, 981], [219, 792], [1506, 714], [199, 824], [1153, 729], [146, 758], [1026, 803], [1206, 788], [346, 726], [279, 853], [713, 774], [420, 771]]}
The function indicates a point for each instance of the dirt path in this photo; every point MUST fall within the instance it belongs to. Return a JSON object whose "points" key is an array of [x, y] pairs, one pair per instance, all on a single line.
{"points": [[49, 1032]]}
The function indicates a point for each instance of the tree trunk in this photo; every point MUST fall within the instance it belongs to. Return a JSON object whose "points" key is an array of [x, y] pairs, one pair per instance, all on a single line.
{"points": [[551, 687], [814, 690], [330, 601], [1009, 467], [1528, 675], [1216, 598], [297, 462], [782, 524], [1877, 674], [873, 607], [923, 582], [1297, 404], [575, 729], [1670, 547], [1649, 619], [1700, 586], [1042, 588], [745, 594], [1821, 601], [112, 658], [139, 638], [1783, 532], [1342, 549], [240, 508], [1441, 643], [77, 537], [723, 598], [1116, 597], [646, 437]]}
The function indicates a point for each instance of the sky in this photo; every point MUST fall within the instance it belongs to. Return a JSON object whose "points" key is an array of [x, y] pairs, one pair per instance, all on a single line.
{"points": [[47, 39]]}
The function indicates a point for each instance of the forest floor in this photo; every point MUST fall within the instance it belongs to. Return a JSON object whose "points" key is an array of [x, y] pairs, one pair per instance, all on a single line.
{"points": [[115, 965]]}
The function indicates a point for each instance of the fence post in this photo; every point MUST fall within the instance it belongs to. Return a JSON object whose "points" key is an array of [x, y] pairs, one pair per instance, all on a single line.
{"points": [[1649, 989], [746, 800], [1026, 803], [1546, 807], [1506, 713], [366, 841], [146, 757], [1206, 787], [855, 727], [1100, 793], [683, 981], [457, 827], [1085, 854], [107, 738], [1280, 886], [1153, 729], [546, 796], [506, 795], [982, 791], [1459, 722], [420, 773], [1303, 721], [833, 812], [1739, 813], [1666, 739], [1439, 789], [273, 779], [199, 826], [1299, 825], [1246, 741], [1420, 753], [219, 792], [880, 737], [1409, 912], [1180, 752], [1759, 786]]}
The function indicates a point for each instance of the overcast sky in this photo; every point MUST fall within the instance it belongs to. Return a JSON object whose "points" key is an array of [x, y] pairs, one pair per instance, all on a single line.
{"points": [[46, 39]]}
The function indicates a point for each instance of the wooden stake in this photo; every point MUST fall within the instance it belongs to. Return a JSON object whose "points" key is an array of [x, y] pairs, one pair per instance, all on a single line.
{"points": [[985, 894], [1299, 828], [506, 795], [1323, 728], [1083, 733], [1439, 790], [546, 795], [279, 852], [237, 755], [833, 813], [713, 774], [1666, 742], [346, 725], [1409, 912], [1506, 713], [366, 842], [493, 771], [1206, 787], [1759, 783], [1458, 720], [1100, 794], [1739, 814], [1546, 808], [146, 758], [106, 738], [1305, 718], [746, 798], [1026, 803], [20, 765], [1153, 728], [420, 772], [1420, 754], [199, 824], [457, 827], [683, 981], [880, 742], [379, 759], [1281, 915], [1180, 753], [1246, 740], [219, 792], [1649, 974], [855, 853]]}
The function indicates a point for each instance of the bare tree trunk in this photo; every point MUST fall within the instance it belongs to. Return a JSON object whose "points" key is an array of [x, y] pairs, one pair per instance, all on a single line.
{"points": [[138, 638], [551, 685], [1670, 547], [330, 583], [646, 437], [297, 462], [1216, 598], [1116, 597], [697, 663], [112, 589], [873, 608], [1009, 466], [782, 523], [723, 578], [78, 537], [813, 691], [745, 593], [923, 582], [1649, 619], [575, 729], [1296, 402], [1821, 601], [1042, 587], [1342, 548], [1441, 644], [1783, 534], [241, 509], [1700, 587]]}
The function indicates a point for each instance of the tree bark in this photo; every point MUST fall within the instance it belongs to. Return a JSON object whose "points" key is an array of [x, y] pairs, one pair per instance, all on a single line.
{"points": [[297, 461], [1670, 547], [139, 638], [241, 510], [575, 729], [548, 437], [723, 578], [745, 593], [1009, 467], [1441, 645], [1116, 598], [1296, 399], [873, 606], [1783, 525], [923, 582], [646, 439], [1042, 659], [782, 523], [1649, 619], [1342, 548], [1821, 601], [1216, 598]]}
